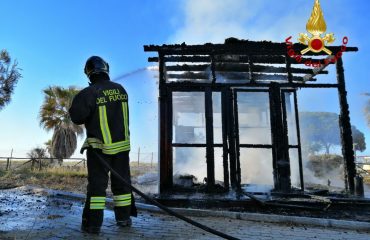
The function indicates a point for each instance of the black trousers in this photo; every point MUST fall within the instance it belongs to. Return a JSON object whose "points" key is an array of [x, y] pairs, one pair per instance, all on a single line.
{"points": [[93, 211]]}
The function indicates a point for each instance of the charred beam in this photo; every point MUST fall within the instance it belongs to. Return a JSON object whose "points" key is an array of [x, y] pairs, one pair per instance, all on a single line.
{"points": [[231, 138], [289, 69], [213, 69], [165, 117], [209, 139], [233, 76], [192, 86], [225, 119], [227, 58], [251, 69], [190, 75], [241, 47], [345, 129], [300, 163], [240, 67], [237, 141], [284, 168], [279, 136]]}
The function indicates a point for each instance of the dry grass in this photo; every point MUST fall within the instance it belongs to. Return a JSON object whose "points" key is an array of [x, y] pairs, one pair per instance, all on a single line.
{"points": [[67, 177], [60, 179]]}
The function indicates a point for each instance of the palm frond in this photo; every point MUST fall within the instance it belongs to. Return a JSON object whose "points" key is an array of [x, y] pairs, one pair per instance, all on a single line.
{"points": [[54, 115]]}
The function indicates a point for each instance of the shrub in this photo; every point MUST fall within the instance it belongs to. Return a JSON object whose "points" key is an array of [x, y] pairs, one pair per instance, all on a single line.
{"points": [[324, 163]]}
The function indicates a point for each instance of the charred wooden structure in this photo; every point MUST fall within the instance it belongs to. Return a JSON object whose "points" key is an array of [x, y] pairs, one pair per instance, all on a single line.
{"points": [[225, 81]]}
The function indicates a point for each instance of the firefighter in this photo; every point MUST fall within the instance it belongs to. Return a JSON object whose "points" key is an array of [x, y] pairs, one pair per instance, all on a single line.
{"points": [[103, 109]]}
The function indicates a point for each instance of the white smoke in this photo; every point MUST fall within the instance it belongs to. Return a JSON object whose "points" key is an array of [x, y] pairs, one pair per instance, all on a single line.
{"points": [[214, 20], [153, 68]]}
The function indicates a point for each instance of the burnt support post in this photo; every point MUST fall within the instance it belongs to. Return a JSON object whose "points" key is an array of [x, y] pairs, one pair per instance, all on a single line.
{"points": [[209, 139], [298, 129], [288, 65], [213, 68], [345, 130], [231, 137], [250, 64], [237, 141], [165, 130], [280, 150], [224, 110]]}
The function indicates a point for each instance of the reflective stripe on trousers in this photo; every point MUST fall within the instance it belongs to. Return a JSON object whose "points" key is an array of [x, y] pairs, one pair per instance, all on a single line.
{"points": [[97, 203], [122, 200]]}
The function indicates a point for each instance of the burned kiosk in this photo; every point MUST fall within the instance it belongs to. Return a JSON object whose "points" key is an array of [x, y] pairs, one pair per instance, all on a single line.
{"points": [[226, 108]]}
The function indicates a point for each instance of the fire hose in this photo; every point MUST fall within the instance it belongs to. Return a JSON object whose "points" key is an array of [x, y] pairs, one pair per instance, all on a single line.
{"points": [[159, 205]]}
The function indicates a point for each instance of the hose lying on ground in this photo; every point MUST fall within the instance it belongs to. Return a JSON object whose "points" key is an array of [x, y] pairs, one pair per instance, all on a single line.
{"points": [[164, 208]]}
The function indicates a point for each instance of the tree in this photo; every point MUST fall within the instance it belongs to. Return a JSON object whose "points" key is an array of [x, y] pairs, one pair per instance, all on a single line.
{"points": [[358, 139], [320, 128], [54, 116], [9, 75], [37, 154]]}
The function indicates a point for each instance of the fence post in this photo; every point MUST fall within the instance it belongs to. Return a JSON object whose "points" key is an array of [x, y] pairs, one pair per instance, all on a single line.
{"points": [[7, 164], [151, 161], [10, 160], [32, 163], [84, 162], [40, 164], [138, 157]]}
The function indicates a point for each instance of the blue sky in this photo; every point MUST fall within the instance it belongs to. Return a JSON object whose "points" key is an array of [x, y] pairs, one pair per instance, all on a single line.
{"points": [[51, 40]]}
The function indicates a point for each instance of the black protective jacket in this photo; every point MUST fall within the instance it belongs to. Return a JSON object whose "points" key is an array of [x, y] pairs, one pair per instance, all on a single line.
{"points": [[103, 108]]}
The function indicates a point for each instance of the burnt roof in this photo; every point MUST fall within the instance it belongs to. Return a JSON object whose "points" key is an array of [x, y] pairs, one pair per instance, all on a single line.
{"points": [[235, 60], [236, 46]]}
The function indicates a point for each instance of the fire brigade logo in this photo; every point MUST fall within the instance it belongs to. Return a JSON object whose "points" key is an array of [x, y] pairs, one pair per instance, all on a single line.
{"points": [[316, 26]]}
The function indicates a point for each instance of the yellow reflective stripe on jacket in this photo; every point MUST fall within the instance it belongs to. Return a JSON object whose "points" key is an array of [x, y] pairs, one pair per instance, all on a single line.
{"points": [[117, 144], [116, 147], [125, 119], [112, 148], [104, 124], [122, 200], [92, 142], [115, 151]]}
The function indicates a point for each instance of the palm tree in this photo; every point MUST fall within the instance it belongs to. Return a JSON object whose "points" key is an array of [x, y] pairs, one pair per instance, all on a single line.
{"points": [[54, 116]]}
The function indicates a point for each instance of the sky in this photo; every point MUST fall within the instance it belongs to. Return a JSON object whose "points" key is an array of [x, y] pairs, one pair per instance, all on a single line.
{"points": [[51, 41]]}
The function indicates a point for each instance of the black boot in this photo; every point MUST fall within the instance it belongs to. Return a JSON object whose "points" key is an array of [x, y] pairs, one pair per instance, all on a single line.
{"points": [[124, 223], [90, 229]]}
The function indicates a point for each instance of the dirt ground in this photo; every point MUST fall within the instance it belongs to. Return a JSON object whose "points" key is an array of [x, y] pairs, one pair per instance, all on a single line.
{"points": [[144, 177]]}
